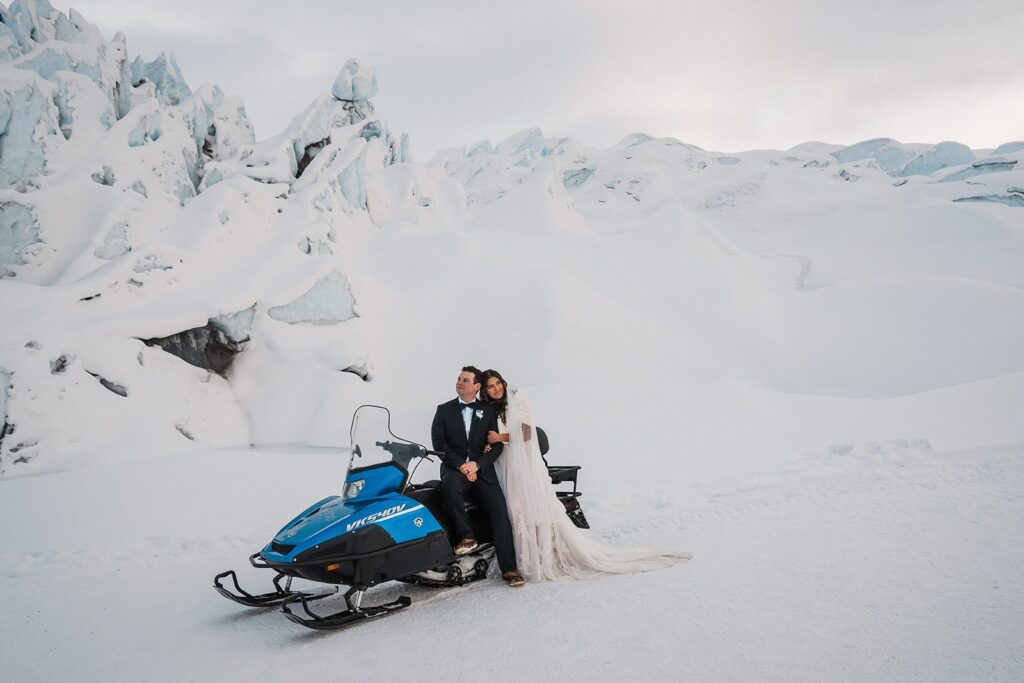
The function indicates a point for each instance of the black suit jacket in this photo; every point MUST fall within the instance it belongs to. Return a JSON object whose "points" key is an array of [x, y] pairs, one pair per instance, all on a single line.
{"points": [[448, 435]]}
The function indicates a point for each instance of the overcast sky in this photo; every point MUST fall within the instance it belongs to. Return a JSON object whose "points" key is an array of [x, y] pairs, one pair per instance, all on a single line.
{"points": [[727, 75]]}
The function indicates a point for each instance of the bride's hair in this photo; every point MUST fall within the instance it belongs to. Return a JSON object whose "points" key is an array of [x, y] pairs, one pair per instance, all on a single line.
{"points": [[500, 404]]}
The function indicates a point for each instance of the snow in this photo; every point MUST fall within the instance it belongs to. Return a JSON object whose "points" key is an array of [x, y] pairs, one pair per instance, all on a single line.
{"points": [[811, 384]]}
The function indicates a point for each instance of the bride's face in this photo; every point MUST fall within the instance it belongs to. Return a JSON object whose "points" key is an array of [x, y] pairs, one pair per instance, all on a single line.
{"points": [[495, 390]]}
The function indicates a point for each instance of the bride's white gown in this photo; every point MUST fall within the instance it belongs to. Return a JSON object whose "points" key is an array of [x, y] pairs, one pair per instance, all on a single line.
{"points": [[548, 545]]}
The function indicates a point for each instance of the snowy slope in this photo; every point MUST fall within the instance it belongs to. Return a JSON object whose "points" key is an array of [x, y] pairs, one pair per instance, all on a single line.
{"points": [[802, 366]]}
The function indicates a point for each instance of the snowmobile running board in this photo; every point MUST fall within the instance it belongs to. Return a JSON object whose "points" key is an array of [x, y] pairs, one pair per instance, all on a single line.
{"points": [[276, 597], [344, 618]]}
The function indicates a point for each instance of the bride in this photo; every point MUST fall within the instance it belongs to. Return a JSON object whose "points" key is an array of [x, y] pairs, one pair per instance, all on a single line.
{"points": [[548, 545]]}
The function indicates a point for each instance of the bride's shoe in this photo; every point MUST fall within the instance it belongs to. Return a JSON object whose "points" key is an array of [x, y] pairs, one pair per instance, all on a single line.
{"points": [[513, 578]]}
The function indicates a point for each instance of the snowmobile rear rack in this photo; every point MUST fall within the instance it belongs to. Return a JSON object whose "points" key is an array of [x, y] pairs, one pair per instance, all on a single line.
{"points": [[353, 614]]}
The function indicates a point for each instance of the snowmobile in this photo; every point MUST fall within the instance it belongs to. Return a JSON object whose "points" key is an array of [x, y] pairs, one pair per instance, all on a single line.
{"points": [[381, 528]]}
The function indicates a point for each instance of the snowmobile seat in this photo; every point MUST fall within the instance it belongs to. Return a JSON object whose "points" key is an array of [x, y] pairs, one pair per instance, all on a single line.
{"points": [[428, 494]]}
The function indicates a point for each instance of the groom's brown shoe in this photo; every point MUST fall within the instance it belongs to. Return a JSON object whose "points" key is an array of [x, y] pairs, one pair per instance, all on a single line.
{"points": [[513, 578], [465, 546]]}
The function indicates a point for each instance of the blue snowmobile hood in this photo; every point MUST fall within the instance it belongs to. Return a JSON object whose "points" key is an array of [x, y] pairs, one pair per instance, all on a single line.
{"points": [[376, 501]]}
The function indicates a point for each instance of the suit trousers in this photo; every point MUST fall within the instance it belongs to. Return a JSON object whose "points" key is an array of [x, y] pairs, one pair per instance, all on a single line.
{"points": [[489, 496]]}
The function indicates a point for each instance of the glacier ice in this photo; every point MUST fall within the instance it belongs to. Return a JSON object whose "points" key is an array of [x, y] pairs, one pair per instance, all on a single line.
{"points": [[1011, 198], [9, 48], [112, 387], [29, 123], [236, 326], [352, 182], [1008, 148], [576, 177], [59, 364], [165, 74], [48, 61], [327, 302], [148, 129], [104, 176], [36, 21], [403, 149], [219, 124], [355, 81], [941, 156], [5, 391], [81, 108], [888, 154], [19, 230], [990, 165], [115, 243], [529, 140]]}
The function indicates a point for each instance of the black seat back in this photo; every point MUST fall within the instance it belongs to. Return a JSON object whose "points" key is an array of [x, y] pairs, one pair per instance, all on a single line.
{"points": [[542, 441]]}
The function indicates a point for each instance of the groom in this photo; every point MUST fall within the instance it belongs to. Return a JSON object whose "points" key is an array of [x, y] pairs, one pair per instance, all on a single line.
{"points": [[460, 432]]}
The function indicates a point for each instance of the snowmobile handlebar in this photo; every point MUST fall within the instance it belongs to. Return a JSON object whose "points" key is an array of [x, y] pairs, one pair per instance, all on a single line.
{"points": [[403, 453]]}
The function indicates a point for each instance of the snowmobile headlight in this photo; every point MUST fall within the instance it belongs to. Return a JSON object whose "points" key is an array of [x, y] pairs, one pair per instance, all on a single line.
{"points": [[352, 488]]}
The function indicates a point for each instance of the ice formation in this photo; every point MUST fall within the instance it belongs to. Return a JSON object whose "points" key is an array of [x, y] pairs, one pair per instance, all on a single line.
{"points": [[146, 210]]}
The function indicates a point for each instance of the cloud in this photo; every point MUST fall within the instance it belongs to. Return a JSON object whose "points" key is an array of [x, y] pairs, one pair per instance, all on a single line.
{"points": [[729, 75]]}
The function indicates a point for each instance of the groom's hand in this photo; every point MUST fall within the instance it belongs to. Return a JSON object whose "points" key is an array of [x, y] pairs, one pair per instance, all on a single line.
{"points": [[468, 468]]}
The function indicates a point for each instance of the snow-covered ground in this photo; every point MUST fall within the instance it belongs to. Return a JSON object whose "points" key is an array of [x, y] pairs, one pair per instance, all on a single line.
{"points": [[802, 366], [880, 561]]}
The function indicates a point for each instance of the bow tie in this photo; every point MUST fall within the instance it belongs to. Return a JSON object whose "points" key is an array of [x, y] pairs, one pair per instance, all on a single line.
{"points": [[463, 406]]}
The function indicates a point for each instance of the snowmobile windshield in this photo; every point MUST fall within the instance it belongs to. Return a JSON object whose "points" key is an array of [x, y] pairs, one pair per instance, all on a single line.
{"points": [[373, 442]]}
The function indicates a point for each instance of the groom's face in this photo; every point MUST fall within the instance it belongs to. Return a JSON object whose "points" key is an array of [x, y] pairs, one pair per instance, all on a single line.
{"points": [[466, 386]]}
